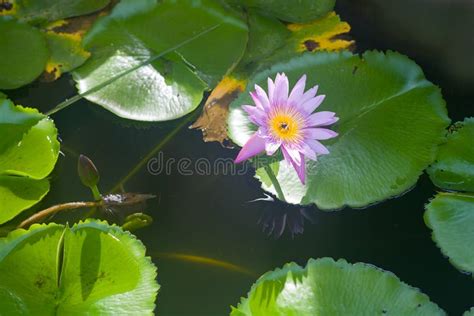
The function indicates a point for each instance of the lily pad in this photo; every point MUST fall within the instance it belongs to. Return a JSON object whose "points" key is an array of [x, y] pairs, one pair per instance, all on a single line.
{"points": [[289, 11], [454, 165], [67, 53], [172, 86], [28, 154], [451, 217], [328, 287], [23, 53], [391, 122], [37, 12], [90, 268]]}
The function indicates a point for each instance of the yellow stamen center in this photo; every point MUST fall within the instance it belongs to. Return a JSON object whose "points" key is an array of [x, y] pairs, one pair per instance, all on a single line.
{"points": [[285, 126]]}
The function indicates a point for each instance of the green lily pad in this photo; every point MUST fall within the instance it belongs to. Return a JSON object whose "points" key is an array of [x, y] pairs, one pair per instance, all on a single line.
{"points": [[289, 11], [454, 165], [172, 86], [23, 53], [391, 121], [451, 217], [28, 154], [91, 268], [37, 12], [328, 287]]}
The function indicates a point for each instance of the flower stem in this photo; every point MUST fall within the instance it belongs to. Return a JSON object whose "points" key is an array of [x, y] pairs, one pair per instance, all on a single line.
{"points": [[79, 96], [54, 209], [275, 182]]}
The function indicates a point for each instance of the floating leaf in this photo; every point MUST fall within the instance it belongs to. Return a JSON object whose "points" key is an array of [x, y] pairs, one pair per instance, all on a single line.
{"points": [[328, 287], [391, 121], [451, 217], [37, 12], [454, 165], [172, 86], [302, 11], [67, 54], [469, 312], [28, 154], [23, 53], [91, 268], [327, 33]]}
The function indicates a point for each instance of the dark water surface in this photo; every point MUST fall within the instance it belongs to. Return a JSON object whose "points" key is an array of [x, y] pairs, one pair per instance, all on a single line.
{"points": [[210, 216]]}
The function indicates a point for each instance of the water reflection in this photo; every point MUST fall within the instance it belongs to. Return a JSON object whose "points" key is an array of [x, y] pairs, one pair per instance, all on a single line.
{"points": [[278, 217]]}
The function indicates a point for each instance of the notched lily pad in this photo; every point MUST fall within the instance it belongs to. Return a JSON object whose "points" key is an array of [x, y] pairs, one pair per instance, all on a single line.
{"points": [[391, 122], [454, 165], [328, 287], [90, 268], [451, 217]]}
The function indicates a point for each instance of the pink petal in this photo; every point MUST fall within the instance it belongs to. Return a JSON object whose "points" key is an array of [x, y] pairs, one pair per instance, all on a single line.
{"points": [[299, 166], [312, 104], [256, 114], [271, 90], [262, 96], [252, 147], [322, 118], [311, 93], [280, 95], [297, 92], [272, 147], [317, 147], [319, 133], [294, 154], [307, 151]]}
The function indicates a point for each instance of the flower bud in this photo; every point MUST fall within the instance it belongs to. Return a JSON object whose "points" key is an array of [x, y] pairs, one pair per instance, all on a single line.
{"points": [[87, 172]]}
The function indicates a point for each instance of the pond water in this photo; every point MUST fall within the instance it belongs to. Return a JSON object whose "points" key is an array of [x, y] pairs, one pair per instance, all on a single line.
{"points": [[210, 215]]}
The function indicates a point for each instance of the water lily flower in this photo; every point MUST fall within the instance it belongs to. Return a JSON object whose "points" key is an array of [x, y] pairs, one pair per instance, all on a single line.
{"points": [[287, 122]]}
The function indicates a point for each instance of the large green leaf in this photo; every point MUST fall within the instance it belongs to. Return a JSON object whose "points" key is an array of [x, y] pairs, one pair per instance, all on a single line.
{"points": [[328, 287], [454, 166], [23, 53], [451, 217], [29, 152], [91, 268], [172, 86], [36, 12], [391, 121]]}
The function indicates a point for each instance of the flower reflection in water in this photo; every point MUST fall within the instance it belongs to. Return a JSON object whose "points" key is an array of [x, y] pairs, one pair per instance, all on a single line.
{"points": [[278, 216]]}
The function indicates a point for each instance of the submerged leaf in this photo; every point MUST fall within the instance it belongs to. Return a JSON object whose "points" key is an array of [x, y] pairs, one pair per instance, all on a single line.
{"points": [[23, 53], [29, 151], [391, 121], [451, 217], [454, 165], [90, 268], [328, 287]]}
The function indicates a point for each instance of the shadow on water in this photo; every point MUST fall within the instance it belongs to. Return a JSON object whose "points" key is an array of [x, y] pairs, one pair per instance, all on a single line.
{"points": [[205, 230]]}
